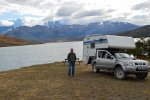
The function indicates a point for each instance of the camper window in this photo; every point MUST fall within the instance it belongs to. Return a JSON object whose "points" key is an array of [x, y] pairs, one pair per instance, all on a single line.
{"points": [[93, 45]]}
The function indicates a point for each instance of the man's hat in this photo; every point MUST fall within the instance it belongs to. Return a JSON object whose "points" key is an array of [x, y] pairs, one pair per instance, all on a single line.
{"points": [[71, 49]]}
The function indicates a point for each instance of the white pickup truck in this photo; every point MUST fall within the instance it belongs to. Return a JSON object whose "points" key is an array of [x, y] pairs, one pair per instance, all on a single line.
{"points": [[108, 52]]}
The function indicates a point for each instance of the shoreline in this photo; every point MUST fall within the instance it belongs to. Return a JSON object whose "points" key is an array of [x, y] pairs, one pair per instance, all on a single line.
{"points": [[39, 43], [27, 66]]}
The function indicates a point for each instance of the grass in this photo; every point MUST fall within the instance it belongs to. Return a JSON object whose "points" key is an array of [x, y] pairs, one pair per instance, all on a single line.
{"points": [[50, 82], [10, 41]]}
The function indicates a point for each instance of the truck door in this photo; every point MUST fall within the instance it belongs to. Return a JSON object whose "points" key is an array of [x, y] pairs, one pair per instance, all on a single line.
{"points": [[109, 60], [105, 59], [100, 58]]}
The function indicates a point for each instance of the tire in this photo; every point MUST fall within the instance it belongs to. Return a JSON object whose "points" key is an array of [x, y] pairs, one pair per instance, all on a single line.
{"points": [[120, 74], [141, 76], [95, 70]]}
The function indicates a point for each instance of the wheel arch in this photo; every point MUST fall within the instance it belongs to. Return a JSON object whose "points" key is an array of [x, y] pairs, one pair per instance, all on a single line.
{"points": [[124, 74], [117, 66], [89, 60]]}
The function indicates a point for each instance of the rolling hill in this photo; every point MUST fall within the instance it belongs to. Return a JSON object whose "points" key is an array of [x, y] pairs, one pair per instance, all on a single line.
{"points": [[9, 41], [139, 32]]}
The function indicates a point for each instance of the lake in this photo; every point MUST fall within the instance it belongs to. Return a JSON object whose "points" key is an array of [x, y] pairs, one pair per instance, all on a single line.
{"points": [[21, 56]]}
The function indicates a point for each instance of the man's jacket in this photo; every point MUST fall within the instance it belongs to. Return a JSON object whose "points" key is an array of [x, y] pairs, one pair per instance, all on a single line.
{"points": [[71, 57]]}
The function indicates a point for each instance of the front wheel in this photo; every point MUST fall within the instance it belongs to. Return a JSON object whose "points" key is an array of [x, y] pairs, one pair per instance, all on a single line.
{"points": [[96, 70], [120, 74], [141, 75]]}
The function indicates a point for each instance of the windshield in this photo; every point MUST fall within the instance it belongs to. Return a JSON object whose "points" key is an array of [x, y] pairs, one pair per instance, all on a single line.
{"points": [[122, 55]]}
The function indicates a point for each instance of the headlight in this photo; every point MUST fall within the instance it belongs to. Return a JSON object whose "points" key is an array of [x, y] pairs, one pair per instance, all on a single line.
{"points": [[148, 64], [129, 64]]}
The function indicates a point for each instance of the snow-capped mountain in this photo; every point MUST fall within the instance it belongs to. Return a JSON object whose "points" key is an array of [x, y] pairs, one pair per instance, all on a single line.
{"points": [[54, 30], [53, 23], [18, 22]]}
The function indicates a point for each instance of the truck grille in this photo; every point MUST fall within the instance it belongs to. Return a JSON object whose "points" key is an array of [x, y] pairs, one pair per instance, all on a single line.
{"points": [[140, 64]]}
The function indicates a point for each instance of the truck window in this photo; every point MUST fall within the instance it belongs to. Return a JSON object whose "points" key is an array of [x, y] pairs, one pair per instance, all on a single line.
{"points": [[104, 54], [93, 45], [100, 54], [108, 56]]}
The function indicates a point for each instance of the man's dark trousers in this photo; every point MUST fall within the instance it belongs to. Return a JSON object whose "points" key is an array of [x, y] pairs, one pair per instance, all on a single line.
{"points": [[71, 69]]}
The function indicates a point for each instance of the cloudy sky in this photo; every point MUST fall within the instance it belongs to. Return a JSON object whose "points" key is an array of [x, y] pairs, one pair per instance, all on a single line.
{"points": [[35, 12]]}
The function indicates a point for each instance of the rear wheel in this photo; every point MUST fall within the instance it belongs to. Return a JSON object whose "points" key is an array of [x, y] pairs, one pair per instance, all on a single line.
{"points": [[120, 74], [141, 75], [96, 70]]}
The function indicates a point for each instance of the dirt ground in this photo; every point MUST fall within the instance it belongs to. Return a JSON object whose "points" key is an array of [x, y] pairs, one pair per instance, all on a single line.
{"points": [[50, 82]]}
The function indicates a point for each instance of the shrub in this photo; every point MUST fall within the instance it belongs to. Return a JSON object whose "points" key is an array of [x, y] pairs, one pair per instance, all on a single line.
{"points": [[142, 48]]}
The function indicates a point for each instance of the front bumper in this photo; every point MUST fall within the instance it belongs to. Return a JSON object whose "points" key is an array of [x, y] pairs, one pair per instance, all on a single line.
{"points": [[137, 69]]}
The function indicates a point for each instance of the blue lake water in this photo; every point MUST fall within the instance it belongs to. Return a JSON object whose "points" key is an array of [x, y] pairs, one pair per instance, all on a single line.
{"points": [[21, 56]]}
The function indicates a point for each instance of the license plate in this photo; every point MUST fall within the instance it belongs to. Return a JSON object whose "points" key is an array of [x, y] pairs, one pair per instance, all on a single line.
{"points": [[141, 68]]}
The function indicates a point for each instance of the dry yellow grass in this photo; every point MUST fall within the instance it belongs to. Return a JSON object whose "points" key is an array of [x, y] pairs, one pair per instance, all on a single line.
{"points": [[9, 41], [50, 82]]}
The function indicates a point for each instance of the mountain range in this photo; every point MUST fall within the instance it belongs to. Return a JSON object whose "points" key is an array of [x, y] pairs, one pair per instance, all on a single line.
{"points": [[4, 29], [57, 31]]}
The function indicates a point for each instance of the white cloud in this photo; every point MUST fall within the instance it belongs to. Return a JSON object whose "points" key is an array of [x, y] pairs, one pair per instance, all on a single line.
{"points": [[142, 6], [139, 19], [68, 10], [32, 21], [91, 13], [78, 11], [6, 23], [2, 9]]}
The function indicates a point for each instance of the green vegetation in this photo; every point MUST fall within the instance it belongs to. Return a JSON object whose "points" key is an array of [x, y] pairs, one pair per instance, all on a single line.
{"points": [[142, 49], [50, 82]]}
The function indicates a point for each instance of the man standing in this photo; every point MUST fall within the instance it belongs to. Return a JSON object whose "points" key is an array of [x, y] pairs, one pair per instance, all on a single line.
{"points": [[71, 60]]}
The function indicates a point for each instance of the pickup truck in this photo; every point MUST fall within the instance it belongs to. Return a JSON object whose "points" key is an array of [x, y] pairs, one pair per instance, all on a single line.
{"points": [[120, 63]]}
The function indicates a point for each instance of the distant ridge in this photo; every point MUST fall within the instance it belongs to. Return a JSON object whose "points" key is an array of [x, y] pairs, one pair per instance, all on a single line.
{"points": [[139, 32]]}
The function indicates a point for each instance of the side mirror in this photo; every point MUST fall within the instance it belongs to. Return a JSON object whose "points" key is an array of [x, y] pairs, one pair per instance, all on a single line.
{"points": [[111, 57], [133, 57]]}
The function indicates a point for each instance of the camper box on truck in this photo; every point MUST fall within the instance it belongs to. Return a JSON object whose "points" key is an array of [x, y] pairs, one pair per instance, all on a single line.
{"points": [[92, 43]]}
